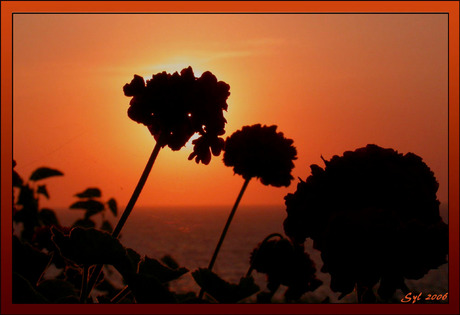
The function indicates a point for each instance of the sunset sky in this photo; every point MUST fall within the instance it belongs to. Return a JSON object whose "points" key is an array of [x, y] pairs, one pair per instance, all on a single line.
{"points": [[331, 82]]}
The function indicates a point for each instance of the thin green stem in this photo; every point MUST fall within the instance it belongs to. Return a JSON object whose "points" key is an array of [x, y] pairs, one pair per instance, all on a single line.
{"points": [[129, 207], [224, 231]]}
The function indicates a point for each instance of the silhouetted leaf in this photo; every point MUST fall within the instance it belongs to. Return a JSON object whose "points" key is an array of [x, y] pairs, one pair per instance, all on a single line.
{"points": [[133, 256], [90, 247], [92, 207], [170, 262], [264, 297], [28, 213], [27, 200], [55, 289], [44, 172], [27, 261], [84, 223], [48, 217], [129, 266], [17, 180], [89, 193], [189, 298], [42, 190], [112, 203], [106, 286], [73, 275], [24, 292], [147, 289], [106, 226], [163, 273], [223, 291]]}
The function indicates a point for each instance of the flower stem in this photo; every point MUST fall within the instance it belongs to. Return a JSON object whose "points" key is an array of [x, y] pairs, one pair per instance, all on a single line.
{"points": [[224, 232], [84, 284], [44, 271], [137, 191], [121, 295], [132, 201]]}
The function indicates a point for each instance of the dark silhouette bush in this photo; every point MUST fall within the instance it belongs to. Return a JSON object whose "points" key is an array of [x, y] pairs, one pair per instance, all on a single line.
{"points": [[374, 215]]}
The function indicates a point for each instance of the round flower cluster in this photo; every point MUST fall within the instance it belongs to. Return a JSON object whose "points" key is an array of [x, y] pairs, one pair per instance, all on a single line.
{"points": [[285, 264], [176, 106], [374, 215], [260, 151]]}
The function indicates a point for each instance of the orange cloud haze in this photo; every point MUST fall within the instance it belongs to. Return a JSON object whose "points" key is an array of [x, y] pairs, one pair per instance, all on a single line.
{"points": [[331, 82]]}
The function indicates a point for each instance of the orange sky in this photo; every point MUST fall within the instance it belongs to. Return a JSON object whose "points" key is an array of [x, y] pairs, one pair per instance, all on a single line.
{"points": [[330, 82]]}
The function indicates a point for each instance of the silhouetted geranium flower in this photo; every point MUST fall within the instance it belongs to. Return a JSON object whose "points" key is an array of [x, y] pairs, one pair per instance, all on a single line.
{"points": [[260, 151], [374, 215], [254, 151], [176, 106], [285, 264]]}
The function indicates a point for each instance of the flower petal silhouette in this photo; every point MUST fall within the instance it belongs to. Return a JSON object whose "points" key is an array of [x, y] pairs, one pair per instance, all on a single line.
{"points": [[260, 151], [362, 212], [176, 106]]}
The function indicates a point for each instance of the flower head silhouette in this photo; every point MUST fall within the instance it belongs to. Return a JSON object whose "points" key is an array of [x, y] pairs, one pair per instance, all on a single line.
{"points": [[374, 215], [285, 264], [256, 151], [176, 106], [260, 151]]}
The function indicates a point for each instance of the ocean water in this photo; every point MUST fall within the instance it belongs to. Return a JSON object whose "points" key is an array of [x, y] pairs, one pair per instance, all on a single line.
{"points": [[190, 235]]}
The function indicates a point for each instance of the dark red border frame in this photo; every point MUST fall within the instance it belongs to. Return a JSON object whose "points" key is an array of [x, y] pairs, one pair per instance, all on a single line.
{"points": [[10, 7]]}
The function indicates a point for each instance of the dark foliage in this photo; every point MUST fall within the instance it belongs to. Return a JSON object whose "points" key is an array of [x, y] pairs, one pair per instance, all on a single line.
{"points": [[285, 264], [89, 193], [44, 172], [374, 215], [23, 255], [26, 208], [24, 291], [89, 247], [223, 291], [152, 267]]}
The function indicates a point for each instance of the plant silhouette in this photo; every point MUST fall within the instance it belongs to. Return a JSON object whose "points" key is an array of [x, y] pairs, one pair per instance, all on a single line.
{"points": [[174, 107], [374, 215], [26, 209], [90, 203], [73, 250], [284, 263], [261, 152]]}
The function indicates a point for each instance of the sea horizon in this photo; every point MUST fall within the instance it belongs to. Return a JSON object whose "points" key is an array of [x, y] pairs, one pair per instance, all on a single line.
{"points": [[190, 234]]}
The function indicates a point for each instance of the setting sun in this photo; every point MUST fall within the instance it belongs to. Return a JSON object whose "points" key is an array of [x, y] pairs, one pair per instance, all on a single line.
{"points": [[327, 93]]}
